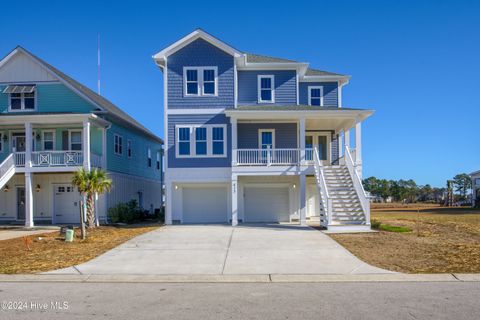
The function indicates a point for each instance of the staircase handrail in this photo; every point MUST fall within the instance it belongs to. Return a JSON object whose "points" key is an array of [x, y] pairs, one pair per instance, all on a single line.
{"points": [[7, 164], [327, 202], [358, 185]]}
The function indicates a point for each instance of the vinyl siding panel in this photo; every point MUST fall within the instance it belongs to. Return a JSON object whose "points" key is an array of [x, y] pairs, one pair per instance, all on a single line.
{"points": [[285, 86], [137, 164], [330, 93], [200, 53], [174, 162], [285, 134]]}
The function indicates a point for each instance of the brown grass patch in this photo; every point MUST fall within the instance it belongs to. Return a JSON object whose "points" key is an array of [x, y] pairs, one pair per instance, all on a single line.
{"points": [[442, 240], [49, 251]]}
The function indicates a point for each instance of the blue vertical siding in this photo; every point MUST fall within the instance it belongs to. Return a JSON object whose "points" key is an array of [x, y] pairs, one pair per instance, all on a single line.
{"points": [[174, 162], [200, 53], [330, 92], [285, 86], [285, 134]]}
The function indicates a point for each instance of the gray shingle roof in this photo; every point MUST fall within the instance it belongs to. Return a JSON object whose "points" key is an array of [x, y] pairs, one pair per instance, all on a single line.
{"points": [[97, 99], [316, 72], [257, 58], [289, 108]]}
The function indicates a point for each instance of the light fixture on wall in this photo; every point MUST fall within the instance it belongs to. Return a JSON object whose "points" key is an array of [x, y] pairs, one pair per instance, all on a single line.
{"points": [[176, 187], [37, 188], [294, 186], [5, 138], [6, 188]]}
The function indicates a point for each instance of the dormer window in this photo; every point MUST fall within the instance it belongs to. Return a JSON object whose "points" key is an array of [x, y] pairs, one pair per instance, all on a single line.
{"points": [[315, 96], [266, 89], [200, 81], [21, 98]]}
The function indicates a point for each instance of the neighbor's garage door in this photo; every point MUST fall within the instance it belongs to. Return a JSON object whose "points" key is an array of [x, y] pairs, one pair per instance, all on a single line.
{"points": [[205, 204], [266, 204]]}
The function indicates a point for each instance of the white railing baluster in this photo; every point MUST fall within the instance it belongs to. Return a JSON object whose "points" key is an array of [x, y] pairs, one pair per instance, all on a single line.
{"points": [[324, 195], [357, 183]]}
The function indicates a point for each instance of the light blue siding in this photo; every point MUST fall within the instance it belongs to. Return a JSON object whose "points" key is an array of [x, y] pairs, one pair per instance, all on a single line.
{"points": [[53, 98], [174, 162], [285, 134], [330, 93], [285, 87], [200, 53], [138, 164]]}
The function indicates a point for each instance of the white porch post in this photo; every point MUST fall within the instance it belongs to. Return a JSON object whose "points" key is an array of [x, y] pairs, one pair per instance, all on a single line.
{"points": [[347, 137], [28, 176], [233, 121], [301, 128], [303, 199], [104, 148], [340, 144], [86, 145], [358, 147], [234, 200]]}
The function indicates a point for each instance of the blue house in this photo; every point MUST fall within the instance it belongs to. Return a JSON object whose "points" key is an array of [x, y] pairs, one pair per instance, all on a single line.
{"points": [[252, 138], [50, 126]]}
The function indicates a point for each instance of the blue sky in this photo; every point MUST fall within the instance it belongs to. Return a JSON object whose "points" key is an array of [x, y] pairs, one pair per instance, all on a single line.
{"points": [[417, 63]]}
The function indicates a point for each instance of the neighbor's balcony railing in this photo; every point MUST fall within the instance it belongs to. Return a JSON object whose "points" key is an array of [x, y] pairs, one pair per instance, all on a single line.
{"points": [[56, 159]]}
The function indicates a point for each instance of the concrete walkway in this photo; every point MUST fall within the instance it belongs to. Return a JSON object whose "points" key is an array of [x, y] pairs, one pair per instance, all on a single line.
{"points": [[223, 250], [18, 232]]}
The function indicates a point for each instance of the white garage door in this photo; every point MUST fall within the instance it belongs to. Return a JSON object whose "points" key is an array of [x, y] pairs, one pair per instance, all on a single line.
{"points": [[266, 204], [205, 205], [66, 204]]}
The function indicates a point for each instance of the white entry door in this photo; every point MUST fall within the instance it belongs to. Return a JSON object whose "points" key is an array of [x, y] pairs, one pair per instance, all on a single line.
{"points": [[66, 204], [312, 201]]}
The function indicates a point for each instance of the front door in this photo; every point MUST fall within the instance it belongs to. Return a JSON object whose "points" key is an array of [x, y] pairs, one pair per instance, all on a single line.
{"points": [[320, 141], [312, 200], [19, 143], [21, 203]]}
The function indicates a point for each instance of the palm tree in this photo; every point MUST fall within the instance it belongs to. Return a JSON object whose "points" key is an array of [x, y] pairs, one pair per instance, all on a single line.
{"points": [[90, 183]]}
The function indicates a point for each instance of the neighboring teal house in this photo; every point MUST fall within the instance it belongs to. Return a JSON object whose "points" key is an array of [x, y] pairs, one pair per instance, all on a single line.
{"points": [[50, 126]]}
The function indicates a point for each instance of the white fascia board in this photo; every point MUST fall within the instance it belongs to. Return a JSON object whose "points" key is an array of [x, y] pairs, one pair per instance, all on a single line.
{"points": [[195, 111], [295, 114], [298, 66], [53, 119], [192, 37], [343, 80], [9, 56]]}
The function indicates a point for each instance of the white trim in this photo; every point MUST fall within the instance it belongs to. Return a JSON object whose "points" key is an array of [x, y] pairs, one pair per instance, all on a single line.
{"points": [[165, 128], [193, 141], [195, 111], [54, 139], [259, 88], [200, 81], [309, 89], [328, 139], [22, 102], [235, 85], [120, 137], [297, 88], [260, 131]]}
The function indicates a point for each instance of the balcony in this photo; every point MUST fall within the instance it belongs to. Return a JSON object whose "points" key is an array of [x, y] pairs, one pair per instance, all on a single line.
{"points": [[273, 157], [56, 159]]}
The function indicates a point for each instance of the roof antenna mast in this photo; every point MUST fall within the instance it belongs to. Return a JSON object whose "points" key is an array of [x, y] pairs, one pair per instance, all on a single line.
{"points": [[98, 64]]}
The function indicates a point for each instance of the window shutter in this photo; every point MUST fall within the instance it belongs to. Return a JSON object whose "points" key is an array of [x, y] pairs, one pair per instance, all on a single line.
{"points": [[65, 140]]}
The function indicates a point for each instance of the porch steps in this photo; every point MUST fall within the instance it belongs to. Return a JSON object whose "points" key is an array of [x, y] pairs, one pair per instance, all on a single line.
{"points": [[346, 206]]}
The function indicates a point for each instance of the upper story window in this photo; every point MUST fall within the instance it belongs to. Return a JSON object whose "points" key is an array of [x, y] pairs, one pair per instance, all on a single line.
{"points": [[158, 160], [201, 140], [21, 97], [200, 81], [75, 140], [315, 96], [149, 157], [118, 144], [129, 148], [266, 89], [477, 180], [48, 140]]}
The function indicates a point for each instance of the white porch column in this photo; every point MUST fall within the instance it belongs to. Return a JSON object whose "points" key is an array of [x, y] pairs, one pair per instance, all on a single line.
{"points": [[104, 148], [347, 137], [28, 200], [233, 121], [340, 144], [86, 145], [301, 129], [358, 147], [28, 145], [234, 200], [303, 199]]}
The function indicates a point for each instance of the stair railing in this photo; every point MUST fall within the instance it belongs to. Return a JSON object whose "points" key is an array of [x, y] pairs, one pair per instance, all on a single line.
{"points": [[357, 184], [7, 165], [322, 184]]}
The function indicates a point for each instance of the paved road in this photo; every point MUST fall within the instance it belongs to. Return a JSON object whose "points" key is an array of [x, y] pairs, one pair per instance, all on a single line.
{"points": [[458, 300], [221, 249]]}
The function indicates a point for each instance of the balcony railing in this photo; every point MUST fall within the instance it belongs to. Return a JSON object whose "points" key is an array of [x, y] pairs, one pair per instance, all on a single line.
{"points": [[56, 159], [267, 157]]}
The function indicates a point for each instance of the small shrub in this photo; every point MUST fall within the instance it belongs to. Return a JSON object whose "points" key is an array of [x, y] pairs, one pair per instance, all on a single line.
{"points": [[125, 212], [389, 228], [375, 224]]}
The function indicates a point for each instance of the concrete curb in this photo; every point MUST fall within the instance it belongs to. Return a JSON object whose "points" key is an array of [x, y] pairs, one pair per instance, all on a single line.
{"points": [[260, 278]]}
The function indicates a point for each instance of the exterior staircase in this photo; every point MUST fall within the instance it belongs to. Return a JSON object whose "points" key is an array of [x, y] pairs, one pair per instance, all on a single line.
{"points": [[7, 170], [343, 202]]}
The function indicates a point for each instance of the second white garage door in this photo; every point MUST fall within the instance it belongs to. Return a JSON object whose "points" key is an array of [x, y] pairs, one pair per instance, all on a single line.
{"points": [[266, 204], [205, 204]]}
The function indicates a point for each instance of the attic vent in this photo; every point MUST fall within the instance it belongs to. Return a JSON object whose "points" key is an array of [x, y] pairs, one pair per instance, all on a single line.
{"points": [[19, 89]]}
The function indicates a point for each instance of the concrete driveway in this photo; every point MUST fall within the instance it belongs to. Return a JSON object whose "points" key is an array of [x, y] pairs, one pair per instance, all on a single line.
{"points": [[221, 249]]}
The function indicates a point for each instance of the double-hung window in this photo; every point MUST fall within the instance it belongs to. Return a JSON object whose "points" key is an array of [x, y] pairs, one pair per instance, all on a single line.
{"points": [[76, 140], [201, 140], [200, 81], [266, 89], [118, 144], [22, 97], [129, 148], [315, 96], [48, 140], [158, 160], [149, 155]]}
